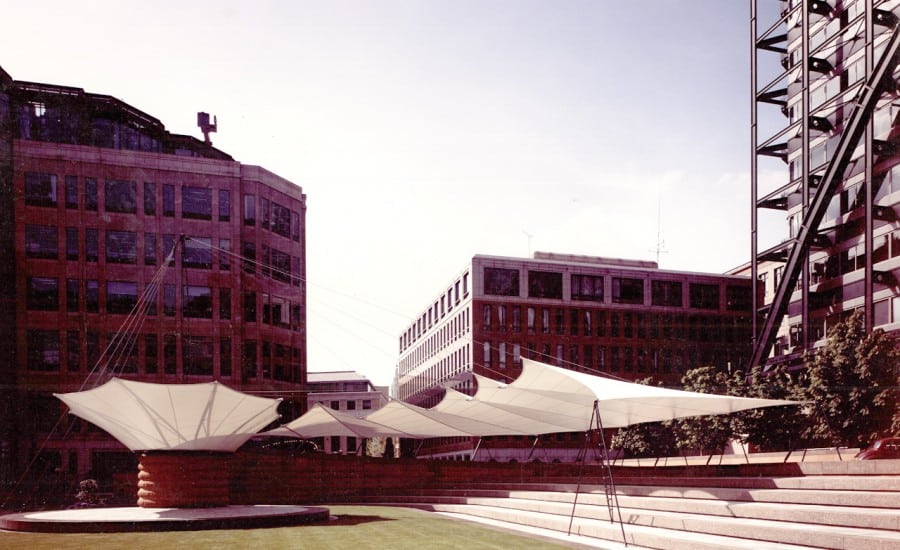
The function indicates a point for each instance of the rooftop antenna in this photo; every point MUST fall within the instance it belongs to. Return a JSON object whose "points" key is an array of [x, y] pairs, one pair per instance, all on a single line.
{"points": [[660, 243], [529, 235], [205, 126]]}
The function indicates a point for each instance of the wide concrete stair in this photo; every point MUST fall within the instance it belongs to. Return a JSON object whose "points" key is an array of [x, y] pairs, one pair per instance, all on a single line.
{"points": [[854, 507]]}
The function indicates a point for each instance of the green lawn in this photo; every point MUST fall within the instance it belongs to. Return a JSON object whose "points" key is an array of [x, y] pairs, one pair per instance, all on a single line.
{"points": [[358, 527]]}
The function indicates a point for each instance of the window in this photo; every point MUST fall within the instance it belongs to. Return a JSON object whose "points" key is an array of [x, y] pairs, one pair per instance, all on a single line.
{"points": [[71, 243], [151, 353], [149, 248], [90, 194], [168, 247], [170, 353], [281, 266], [501, 282], [249, 299], [486, 317], [121, 247], [486, 356], [169, 300], [121, 196], [264, 213], [71, 192], [149, 199], [249, 210], [72, 288], [224, 303], [197, 354], [121, 296], [43, 294], [367, 404], [224, 205], [196, 203], [248, 251], [516, 319], [665, 293], [225, 356], [168, 197], [295, 226], [92, 296], [738, 298], [197, 301], [281, 220], [627, 290], [587, 287], [249, 359], [41, 241], [559, 321], [225, 254], [40, 189], [545, 321], [351, 405], [92, 346], [91, 244], [73, 351], [197, 253], [544, 284], [43, 350], [530, 320], [704, 296], [335, 405], [295, 270]]}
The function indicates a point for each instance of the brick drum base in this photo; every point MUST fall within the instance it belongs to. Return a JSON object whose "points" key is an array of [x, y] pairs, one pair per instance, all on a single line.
{"points": [[183, 480]]}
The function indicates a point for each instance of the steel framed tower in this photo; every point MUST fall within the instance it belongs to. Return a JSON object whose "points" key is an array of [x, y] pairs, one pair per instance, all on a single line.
{"points": [[825, 157]]}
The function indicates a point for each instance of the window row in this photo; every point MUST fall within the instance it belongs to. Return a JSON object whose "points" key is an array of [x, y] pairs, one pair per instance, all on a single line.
{"points": [[624, 290], [122, 196], [273, 217], [441, 307], [273, 264], [448, 333], [852, 259], [612, 324]]}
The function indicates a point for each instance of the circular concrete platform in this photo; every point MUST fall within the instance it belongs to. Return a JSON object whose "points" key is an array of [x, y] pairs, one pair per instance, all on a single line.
{"points": [[110, 520]]}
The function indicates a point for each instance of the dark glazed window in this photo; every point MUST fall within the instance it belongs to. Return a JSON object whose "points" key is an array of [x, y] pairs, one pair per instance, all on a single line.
{"points": [[501, 282], [91, 244], [224, 303], [295, 226], [43, 350], [704, 296], [196, 203], [281, 220], [73, 351], [90, 194], [225, 254], [197, 354], [151, 353], [264, 212], [43, 294], [71, 192], [224, 205], [627, 290], [121, 296], [149, 248], [168, 200], [225, 356], [71, 243], [666, 293], [41, 241], [169, 300], [121, 196], [281, 266], [91, 296], [149, 198], [738, 298], [72, 288], [40, 189], [198, 302], [249, 307], [121, 247], [587, 287], [197, 253], [544, 284], [248, 251], [249, 210]]}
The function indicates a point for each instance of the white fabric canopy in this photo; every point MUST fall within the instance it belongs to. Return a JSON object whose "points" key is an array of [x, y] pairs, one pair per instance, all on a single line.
{"points": [[185, 417], [543, 399], [571, 394], [322, 421]]}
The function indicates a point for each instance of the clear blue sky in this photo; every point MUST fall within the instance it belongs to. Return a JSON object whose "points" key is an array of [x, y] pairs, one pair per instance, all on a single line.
{"points": [[424, 132]]}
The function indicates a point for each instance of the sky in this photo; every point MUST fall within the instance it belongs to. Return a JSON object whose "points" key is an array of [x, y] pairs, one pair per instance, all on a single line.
{"points": [[426, 132]]}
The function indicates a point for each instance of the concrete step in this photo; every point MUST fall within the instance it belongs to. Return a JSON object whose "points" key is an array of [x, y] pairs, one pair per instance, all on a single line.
{"points": [[816, 526]]}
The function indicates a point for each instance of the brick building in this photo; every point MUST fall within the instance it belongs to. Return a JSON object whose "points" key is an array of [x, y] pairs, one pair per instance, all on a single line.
{"points": [[95, 196]]}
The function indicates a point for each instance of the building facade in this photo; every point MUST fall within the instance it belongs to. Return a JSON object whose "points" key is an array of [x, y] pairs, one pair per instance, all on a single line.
{"points": [[347, 392], [628, 319], [135, 252], [825, 169]]}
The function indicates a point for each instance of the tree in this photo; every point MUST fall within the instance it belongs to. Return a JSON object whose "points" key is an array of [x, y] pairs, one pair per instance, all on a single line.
{"points": [[650, 439], [774, 428], [853, 384], [710, 432]]}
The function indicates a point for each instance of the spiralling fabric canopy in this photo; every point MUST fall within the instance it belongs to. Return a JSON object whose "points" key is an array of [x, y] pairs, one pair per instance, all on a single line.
{"points": [[543, 399], [184, 417], [320, 421], [566, 394]]}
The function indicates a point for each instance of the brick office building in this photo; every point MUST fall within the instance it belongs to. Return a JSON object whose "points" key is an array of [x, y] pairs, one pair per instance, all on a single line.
{"points": [[598, 315], [94, 197]]}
